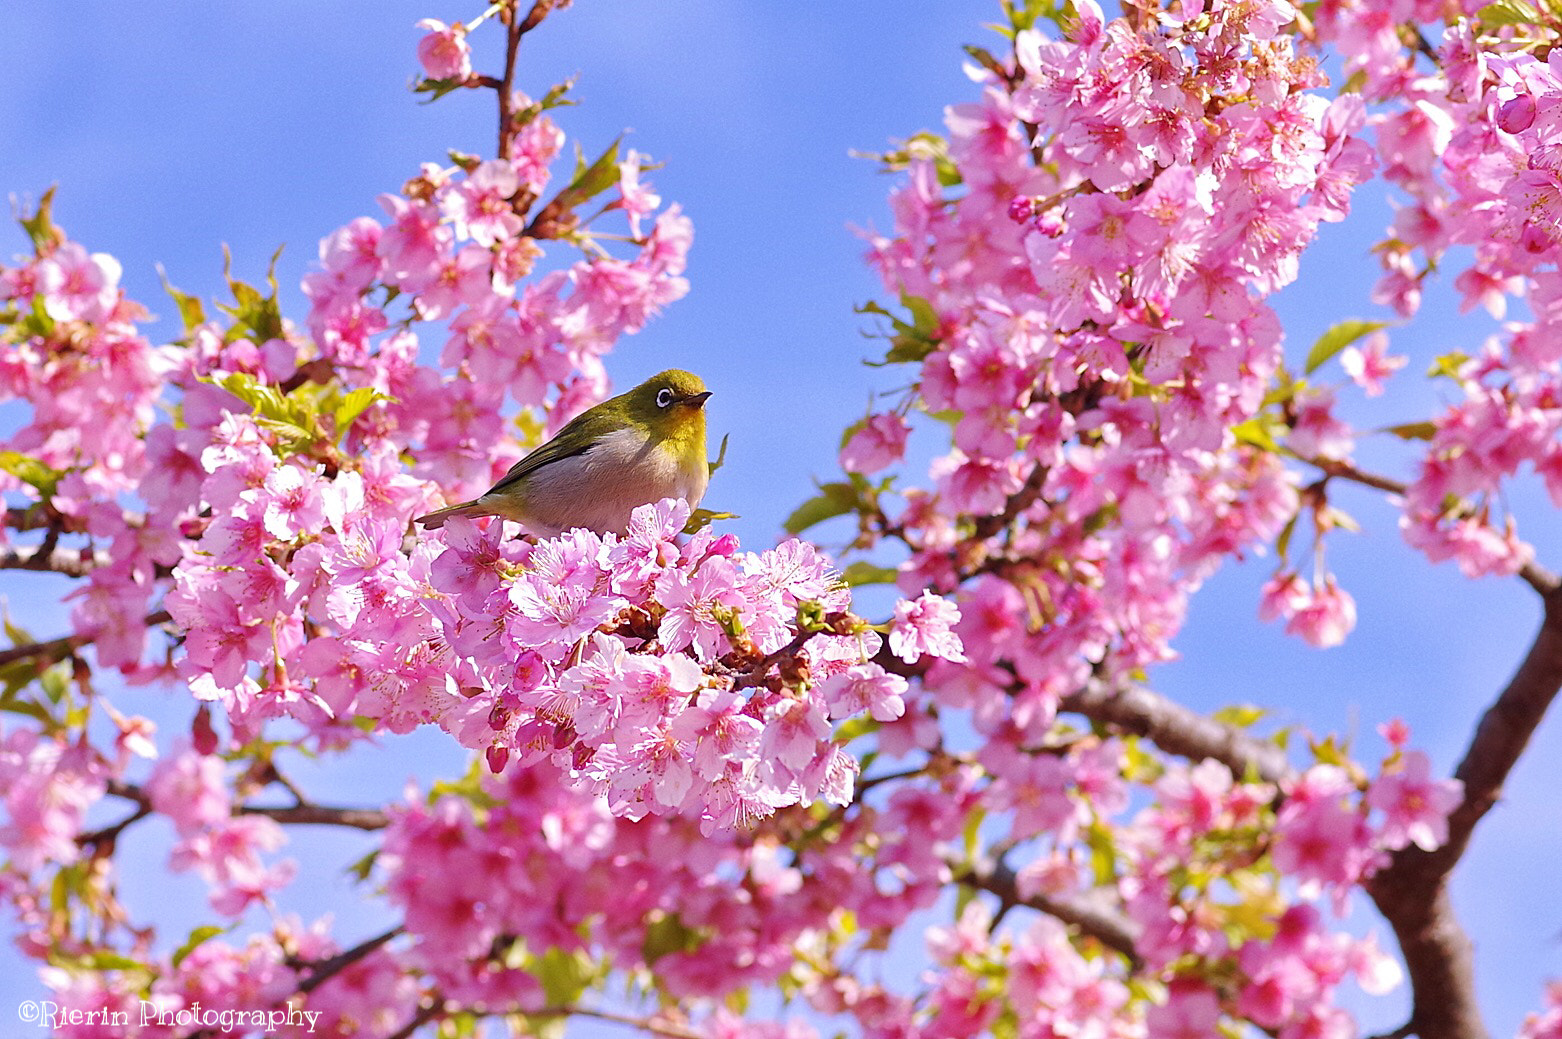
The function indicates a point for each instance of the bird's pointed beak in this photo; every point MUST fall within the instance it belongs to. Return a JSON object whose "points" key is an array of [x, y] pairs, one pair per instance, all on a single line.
{"points": [[696, 400]]}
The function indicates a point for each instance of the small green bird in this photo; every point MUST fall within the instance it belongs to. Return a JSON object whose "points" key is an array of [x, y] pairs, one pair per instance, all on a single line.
{"points": [[633, 449]]}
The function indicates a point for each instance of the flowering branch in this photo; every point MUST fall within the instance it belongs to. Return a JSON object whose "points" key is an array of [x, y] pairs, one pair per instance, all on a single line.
{"points": [[324, 970], [1177, 729], [512, 43], [303, 814], [421, 1018], [757, 674], [60, 648], [321, 815], [68, 561], [1412, 892], [1090, 915], [649, 1025]]}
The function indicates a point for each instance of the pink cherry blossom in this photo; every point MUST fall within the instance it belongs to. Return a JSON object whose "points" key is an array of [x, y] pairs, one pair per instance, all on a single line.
{"points": [[1368, 366], [1414, 804], [926, 625], [877, 445], [443, 51]]}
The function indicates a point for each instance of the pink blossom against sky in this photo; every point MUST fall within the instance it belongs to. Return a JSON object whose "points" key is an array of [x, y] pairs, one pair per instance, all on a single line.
{"points": [[172, 129]]}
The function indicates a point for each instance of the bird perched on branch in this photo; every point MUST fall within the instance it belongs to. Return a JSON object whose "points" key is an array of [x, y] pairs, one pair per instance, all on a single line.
{"points": [[633, 449]]}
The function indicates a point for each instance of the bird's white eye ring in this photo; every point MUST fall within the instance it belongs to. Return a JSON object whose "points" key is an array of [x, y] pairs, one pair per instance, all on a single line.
{"points": [[664, 397]]}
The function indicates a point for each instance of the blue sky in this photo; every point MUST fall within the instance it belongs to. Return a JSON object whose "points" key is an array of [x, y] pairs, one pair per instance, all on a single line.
{"points": [[173, 128]]}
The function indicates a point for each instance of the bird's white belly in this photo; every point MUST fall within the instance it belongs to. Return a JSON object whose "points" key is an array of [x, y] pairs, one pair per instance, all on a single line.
{"points": [[600, 488]]}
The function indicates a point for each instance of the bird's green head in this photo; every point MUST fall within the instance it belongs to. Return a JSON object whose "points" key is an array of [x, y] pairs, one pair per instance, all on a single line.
{"points": [[671, 404]]}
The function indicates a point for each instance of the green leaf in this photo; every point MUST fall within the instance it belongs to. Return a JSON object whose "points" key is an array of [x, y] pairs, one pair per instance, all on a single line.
{"points": [[1508, 12], [364, 866], [912, 340], [1026, 13], [863, 572], [103, 960], [40, 226], [1332, 516], [36, 322], [1448, 364], [1412, 430], [1338, 338], [436, 88], [1242, 716], [191, 313], [1328, 752], [197, 937], [564, 975], [1103, 853], [32, 472], [293, 418], [28, 709], [834, 499], [721, 455], [855, 728], [702, 518], [971, 832], [55, 682], [665, 934], [983, 57], [18, 635], [1283, 542], [554, 98], [252, 312], [353, 405], [1255, 432], [590, 181]]}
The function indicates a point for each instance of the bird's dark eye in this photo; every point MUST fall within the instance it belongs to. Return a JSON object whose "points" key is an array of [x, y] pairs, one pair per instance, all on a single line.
{"points": [[664, 397]]}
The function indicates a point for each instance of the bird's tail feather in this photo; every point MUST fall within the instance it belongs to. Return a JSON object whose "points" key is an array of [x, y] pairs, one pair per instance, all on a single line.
{"points": [[437, 518]]}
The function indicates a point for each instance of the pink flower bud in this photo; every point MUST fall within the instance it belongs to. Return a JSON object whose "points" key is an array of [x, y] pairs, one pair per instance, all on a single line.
{"points": [[443, 53], [497, 756], [202, 735], [1516, 115]]}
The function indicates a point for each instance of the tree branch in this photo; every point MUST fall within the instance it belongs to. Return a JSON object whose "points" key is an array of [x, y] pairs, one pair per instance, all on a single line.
{"points": [[1177, 729], [71, 562], [1348, 471], [1086, 913], [62, 647], [321, 815], [757, 674], [649, 1025], [1412, 891], [421, 1018], [324, 970], [302, 814]]}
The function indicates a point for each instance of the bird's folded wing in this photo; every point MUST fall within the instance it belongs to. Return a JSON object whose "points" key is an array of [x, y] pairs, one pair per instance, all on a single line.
{"points": [[554, 450]]}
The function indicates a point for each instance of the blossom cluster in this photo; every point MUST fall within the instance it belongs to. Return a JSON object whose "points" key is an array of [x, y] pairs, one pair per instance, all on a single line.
{"points": [[1093, 293], [1476, 148], [698, 766]]}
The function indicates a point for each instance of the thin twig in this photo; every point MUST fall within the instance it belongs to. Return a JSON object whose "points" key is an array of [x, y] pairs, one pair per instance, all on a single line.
{"points": [[321, 815], [421, 1018], [1177, 729], [109, 834], [324, 970], [1348, 471], [646, 1024], [512, 45], [757, 674], [1088, 914], [1412, 891], [71, 562], [58, 649], [302, 814]]}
